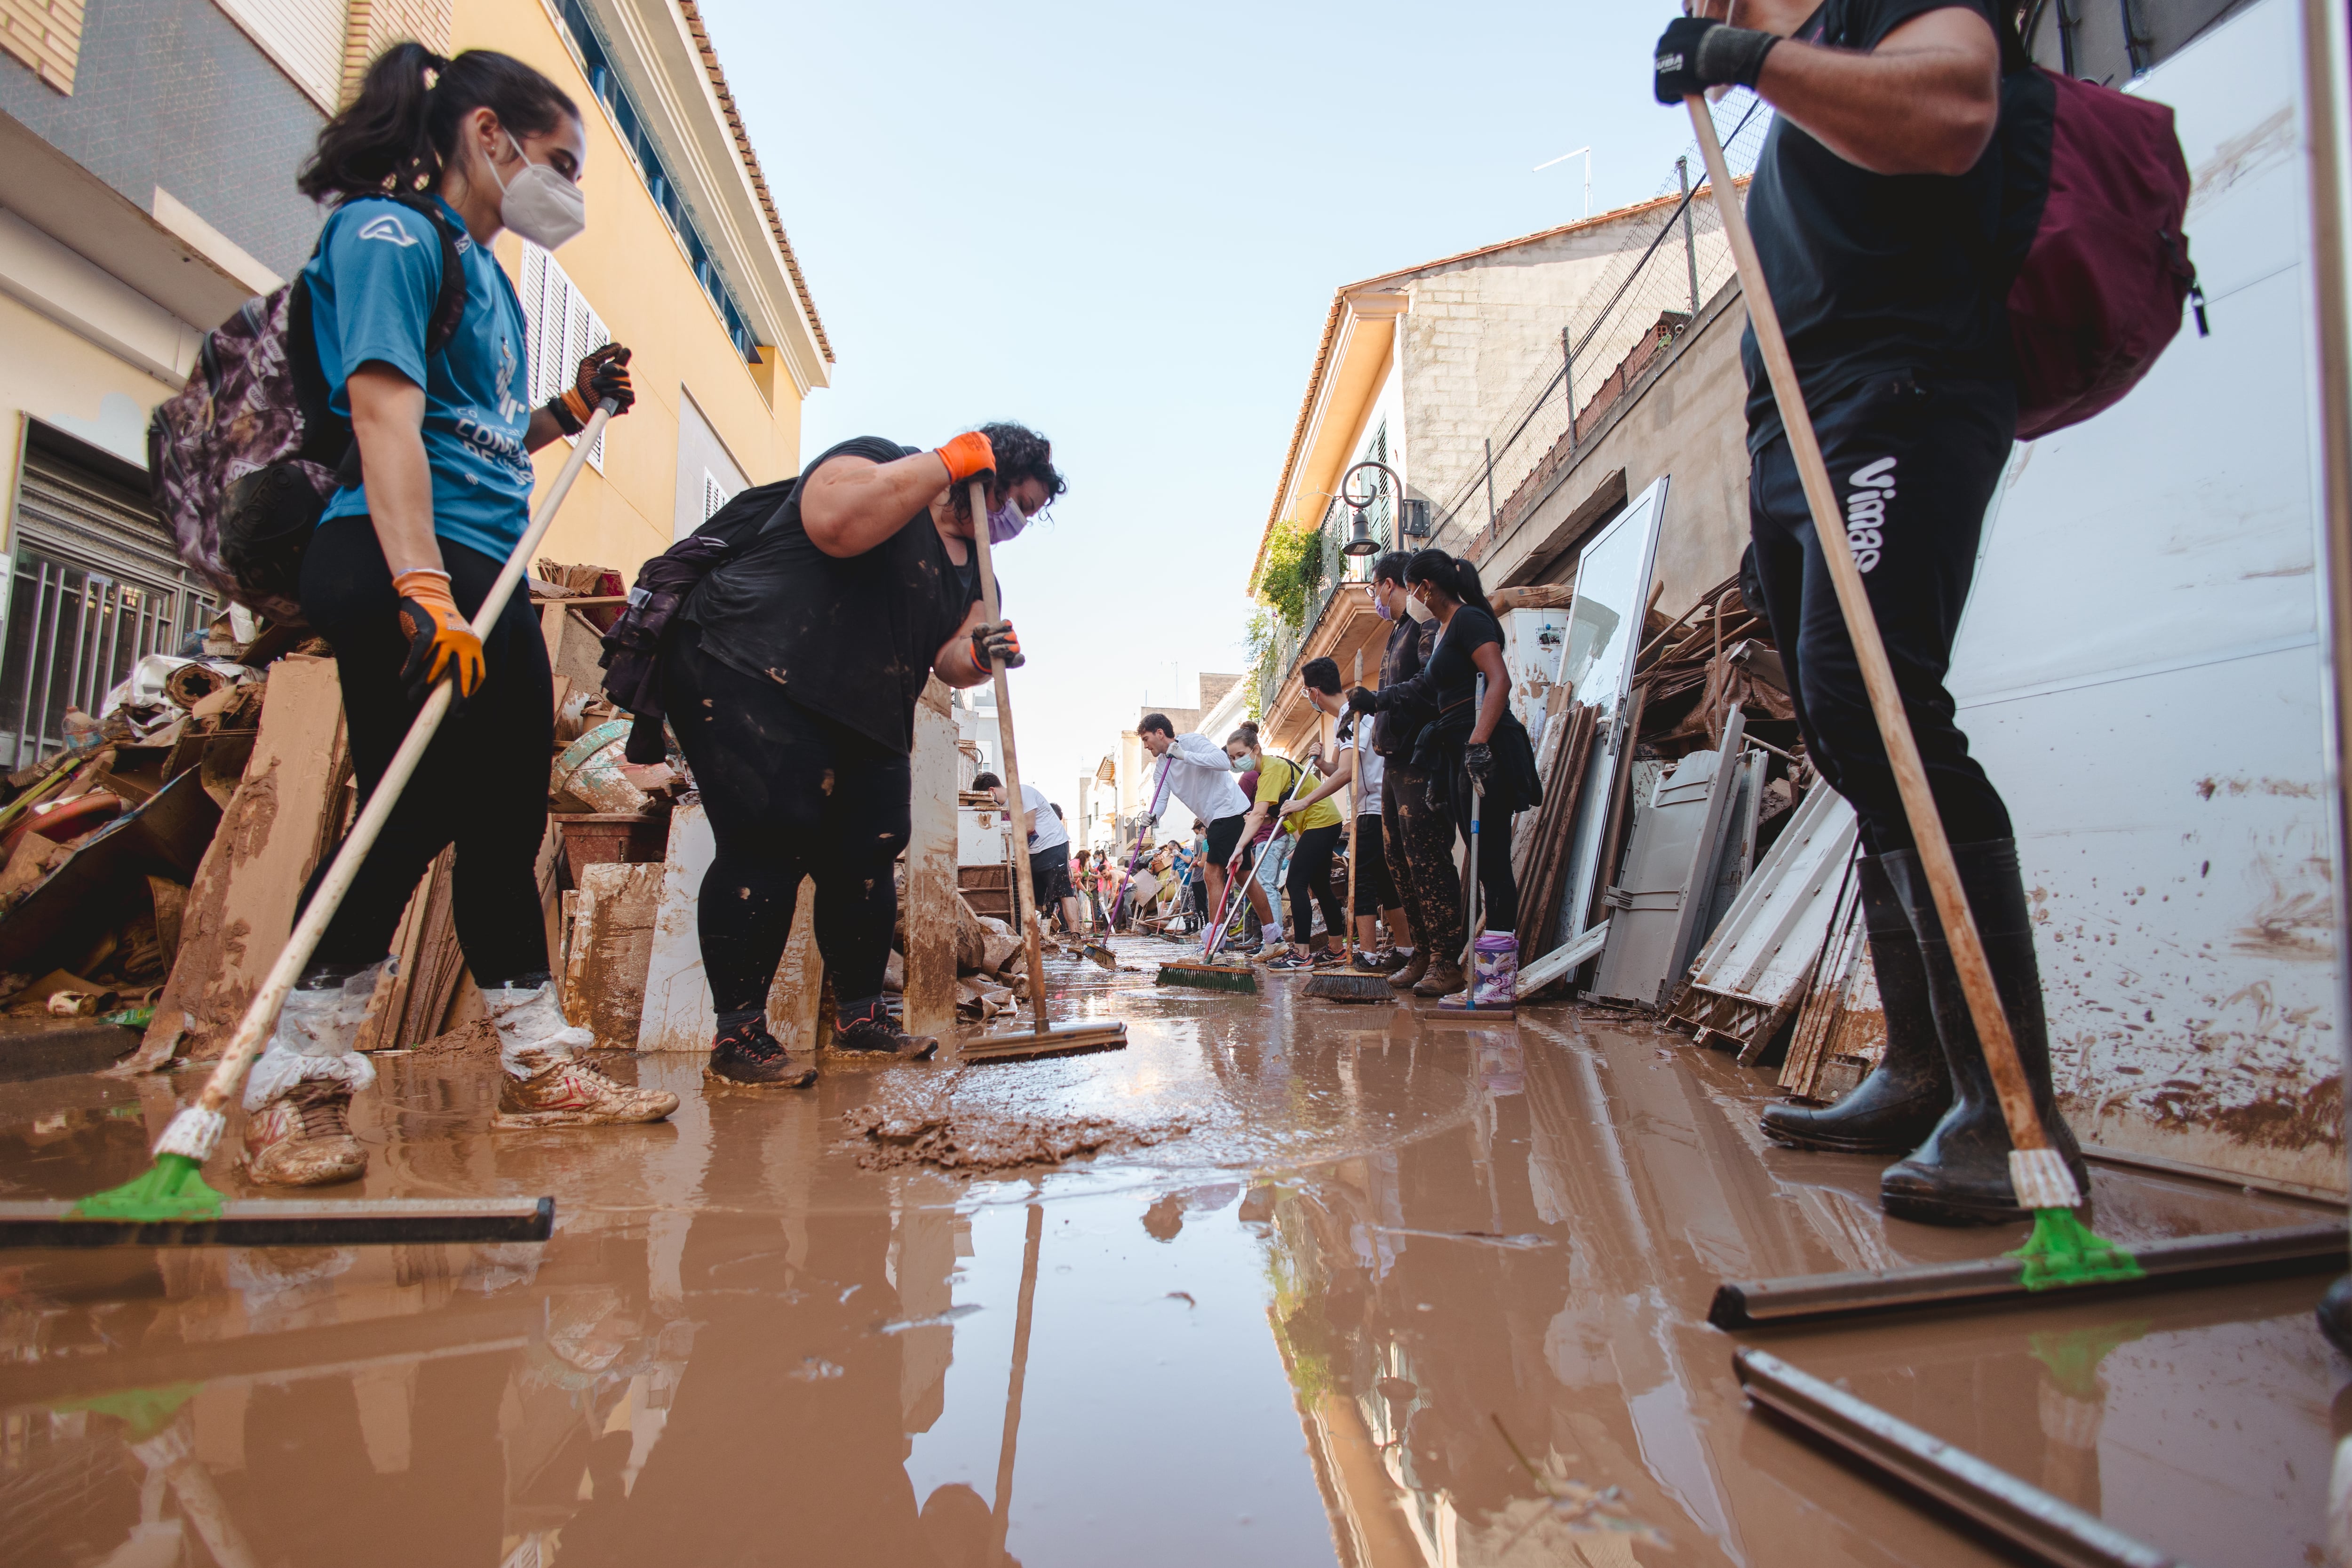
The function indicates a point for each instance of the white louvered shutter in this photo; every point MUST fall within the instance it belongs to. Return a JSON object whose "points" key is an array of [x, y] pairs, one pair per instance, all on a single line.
{"points": [[304, 36], [560, 329]]}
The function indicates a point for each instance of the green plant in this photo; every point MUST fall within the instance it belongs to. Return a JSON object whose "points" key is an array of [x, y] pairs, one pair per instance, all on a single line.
{"points": [[1293, 572]]}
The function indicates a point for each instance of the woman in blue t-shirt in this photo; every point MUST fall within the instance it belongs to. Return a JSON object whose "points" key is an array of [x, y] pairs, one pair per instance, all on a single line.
{"points": [[435, 151]]}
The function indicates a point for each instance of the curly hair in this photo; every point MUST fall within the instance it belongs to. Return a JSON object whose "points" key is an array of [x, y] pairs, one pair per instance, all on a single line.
{"points": [[1021, 454]]}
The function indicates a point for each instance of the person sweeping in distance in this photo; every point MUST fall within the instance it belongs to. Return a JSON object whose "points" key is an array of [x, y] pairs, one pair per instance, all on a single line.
{"points": [[1196, 772], [1874, 209], [1470, 744], [793, 689], [402, 560]]}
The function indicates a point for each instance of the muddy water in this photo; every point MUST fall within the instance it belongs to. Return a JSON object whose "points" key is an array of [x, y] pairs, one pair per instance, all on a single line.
{"points": [[1402, 1292]]}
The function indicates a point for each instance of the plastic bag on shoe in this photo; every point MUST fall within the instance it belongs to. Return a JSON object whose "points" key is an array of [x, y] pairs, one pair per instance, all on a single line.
{"points": [[314, 1036], [532, 1033]]}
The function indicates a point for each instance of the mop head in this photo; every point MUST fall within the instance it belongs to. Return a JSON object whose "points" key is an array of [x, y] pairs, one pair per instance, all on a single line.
{"points": [[2063, 1251], [1215, 976]]}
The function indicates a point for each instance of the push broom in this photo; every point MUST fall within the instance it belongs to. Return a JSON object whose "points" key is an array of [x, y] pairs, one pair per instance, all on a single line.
{"points": [[2062, 1250], [170, 1204], [1043, 1040]]}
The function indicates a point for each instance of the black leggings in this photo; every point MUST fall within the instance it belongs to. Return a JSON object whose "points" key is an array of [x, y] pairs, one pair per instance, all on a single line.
{"points": [[482, 784], [1375, 890], [1309, 876], [1914, 468], [789, 793], [1498, 889]]}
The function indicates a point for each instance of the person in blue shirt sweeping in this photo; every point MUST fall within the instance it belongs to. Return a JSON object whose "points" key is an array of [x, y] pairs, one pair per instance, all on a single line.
{"points": [[433, 158]]}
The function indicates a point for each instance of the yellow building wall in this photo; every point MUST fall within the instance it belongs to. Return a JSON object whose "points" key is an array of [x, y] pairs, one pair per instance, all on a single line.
{"points": [[64, 380], [635, 275]]}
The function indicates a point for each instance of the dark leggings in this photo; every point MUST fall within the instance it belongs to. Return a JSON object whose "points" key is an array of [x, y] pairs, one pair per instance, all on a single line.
{"points": [[1375, 890], [1420, 841], [1914, 468], [1498, 889], [1309, 876], [790, 794], [482, 784]]}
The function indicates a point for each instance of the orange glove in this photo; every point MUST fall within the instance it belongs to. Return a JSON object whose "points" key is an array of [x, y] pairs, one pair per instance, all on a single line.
{"points": [[439, 640], [969, 456]]}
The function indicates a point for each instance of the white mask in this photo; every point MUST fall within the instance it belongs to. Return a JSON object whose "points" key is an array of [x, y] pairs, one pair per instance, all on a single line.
{"points": [[539, 203], [1416, 609]]}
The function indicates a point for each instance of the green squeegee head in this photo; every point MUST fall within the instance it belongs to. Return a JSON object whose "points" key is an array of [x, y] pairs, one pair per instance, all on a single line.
{"points": [[2062, 1251], [173, 1188]]}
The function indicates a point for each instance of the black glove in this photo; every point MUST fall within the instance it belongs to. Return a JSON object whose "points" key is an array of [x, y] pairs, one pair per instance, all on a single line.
{"points": [[604, 374], [994, 642], [1695, 53], [1362, 701], [1479, 762]]}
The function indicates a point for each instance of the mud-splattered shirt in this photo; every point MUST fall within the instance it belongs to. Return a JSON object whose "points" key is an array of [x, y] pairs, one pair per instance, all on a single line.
{"points": [[850, 638]]}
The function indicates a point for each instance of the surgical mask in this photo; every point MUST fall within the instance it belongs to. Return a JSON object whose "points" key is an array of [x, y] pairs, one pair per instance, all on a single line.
{"points": [[539, 203], [1006, 522], [1382, 607], [1240, 764]]}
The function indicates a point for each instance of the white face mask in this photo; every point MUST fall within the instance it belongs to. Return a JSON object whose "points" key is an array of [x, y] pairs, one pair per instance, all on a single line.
{"points": [[539, 203], [1416, 609]]}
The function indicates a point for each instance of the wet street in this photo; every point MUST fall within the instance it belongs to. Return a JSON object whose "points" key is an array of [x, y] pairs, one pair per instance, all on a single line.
{"points": [[1356, 1286]]}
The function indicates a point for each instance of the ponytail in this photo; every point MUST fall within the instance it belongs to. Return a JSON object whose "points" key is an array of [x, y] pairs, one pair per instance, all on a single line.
{"points": [[400, 132], [1456, 577]]}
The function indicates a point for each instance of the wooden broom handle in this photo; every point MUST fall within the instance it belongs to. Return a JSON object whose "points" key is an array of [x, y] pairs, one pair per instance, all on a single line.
{"points": [[2025, 1129], [1033, 930]]}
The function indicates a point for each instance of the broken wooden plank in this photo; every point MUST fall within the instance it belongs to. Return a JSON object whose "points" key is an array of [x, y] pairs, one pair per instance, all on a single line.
{"points": [[610, 949], [240, 907]]}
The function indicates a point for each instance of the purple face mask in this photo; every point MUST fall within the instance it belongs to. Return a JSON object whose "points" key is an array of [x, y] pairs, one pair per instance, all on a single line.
{"points": [[1384, 609], [1006, 522]]}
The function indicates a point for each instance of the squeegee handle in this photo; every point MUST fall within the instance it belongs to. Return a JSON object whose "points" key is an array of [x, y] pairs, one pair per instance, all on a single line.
{"points": [[1032, 930], [261, 1012], [2025, 1129]]}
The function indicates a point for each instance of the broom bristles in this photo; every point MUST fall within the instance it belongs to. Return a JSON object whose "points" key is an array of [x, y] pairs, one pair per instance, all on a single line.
{"points": [[2042, 1180]]}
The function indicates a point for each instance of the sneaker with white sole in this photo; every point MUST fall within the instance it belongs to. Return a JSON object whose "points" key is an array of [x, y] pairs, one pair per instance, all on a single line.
{"points": [[302, 1138], [568, 1092]]}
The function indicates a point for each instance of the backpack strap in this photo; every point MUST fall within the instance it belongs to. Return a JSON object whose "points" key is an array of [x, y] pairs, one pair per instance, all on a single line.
{"points": [[450, 304]]}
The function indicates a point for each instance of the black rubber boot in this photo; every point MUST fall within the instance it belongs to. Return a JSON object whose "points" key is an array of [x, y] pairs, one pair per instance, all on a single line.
{"points": [[1960, 1176], [1897, 1107], [750, 1058], [2335, 1314]]}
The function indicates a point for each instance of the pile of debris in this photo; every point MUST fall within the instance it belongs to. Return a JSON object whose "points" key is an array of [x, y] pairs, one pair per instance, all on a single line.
{"points": [[927, 1128]]}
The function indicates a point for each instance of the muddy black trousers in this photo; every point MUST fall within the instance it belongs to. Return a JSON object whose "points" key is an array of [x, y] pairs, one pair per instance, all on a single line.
{"points": [[1308, 882], [482, 784], [1914, 466], [1420, 857], [1375, 889], [789, 793]]}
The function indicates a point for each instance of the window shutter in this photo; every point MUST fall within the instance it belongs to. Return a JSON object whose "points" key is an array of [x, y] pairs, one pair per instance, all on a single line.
{"points": [[560, 329], [714, 495], [304, 36]]}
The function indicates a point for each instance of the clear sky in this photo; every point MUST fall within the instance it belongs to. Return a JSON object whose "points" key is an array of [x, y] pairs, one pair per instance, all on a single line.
{"points": [[1122, 224]]}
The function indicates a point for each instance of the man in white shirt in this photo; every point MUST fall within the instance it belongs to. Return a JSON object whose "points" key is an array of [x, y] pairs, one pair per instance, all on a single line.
{"points": [[1195, 771], [1049, 849]]}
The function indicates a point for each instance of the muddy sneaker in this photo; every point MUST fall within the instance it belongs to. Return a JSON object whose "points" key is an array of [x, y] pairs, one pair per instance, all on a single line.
{"points": [[877, 1037], [302, 1138], [1287, 961], [1387, 961], [1443, 979], [568, 1092], [1328, 958], [750, 1058], [1406, 978]]}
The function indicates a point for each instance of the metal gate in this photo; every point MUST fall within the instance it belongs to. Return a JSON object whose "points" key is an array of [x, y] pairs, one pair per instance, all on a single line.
{"points": [[95, 584]]}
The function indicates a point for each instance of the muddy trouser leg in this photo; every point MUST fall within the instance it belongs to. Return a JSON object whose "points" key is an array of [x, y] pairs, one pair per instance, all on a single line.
{"points": [[482, 784], [1308, 879], [788, 794], [1432, 882]]}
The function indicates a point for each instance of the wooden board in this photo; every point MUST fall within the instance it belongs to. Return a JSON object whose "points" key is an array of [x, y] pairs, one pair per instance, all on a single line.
{"points": [[240, 907], [932, 872], [678, 1015], [610, 946]]}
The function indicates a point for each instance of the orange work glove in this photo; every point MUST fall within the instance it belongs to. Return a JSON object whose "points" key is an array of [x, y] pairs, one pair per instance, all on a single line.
{"points": [[439, 640], [969, 456]]}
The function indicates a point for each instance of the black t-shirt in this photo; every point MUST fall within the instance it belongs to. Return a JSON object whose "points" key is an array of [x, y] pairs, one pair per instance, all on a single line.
{"points": [[1448, 683], [1401, 722], [1873, 273], [851, 638]]}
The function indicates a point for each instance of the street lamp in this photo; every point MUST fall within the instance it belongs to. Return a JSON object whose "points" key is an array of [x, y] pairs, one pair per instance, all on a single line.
{"points": [[1360, 541]]}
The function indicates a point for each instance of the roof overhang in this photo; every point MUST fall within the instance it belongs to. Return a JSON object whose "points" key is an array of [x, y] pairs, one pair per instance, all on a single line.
{"points": [[1351, 365], [660, 51]]}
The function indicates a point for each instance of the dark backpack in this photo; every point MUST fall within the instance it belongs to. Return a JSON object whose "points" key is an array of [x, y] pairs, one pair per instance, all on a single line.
{"points": [[2093, 192], [243, 459], [633, 649]]}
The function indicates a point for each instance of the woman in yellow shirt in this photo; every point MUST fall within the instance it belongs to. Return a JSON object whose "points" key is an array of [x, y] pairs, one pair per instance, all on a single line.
{"points": [[1309, 875]]}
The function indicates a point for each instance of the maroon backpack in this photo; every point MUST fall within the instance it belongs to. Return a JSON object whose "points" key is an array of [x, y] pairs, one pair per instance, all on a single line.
{"points": [[2095, 188]]}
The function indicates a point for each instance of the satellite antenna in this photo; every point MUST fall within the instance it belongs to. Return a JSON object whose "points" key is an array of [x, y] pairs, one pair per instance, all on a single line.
{"points": [[1585, 154]]}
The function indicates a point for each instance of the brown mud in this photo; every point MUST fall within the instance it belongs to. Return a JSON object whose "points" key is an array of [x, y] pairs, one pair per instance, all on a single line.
{"points": [[1398, 1293]]}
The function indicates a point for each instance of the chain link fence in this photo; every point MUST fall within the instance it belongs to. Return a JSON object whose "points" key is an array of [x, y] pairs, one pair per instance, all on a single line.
{"points": [[1671, 267]]}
